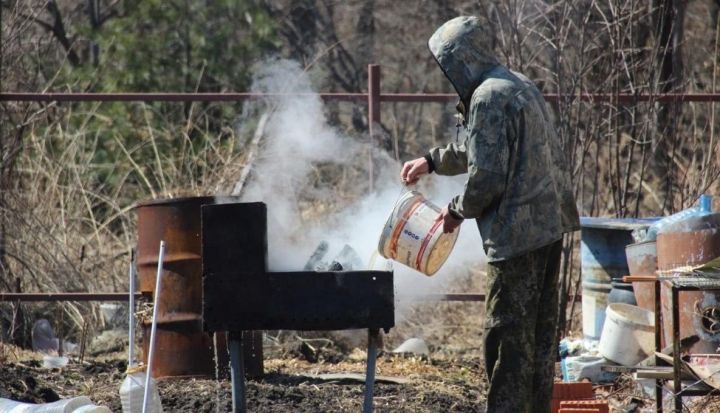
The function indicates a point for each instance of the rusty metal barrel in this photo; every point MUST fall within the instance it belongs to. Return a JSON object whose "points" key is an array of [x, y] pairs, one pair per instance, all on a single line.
{"points": [[183, 349], [690, 243], [642, 261]]}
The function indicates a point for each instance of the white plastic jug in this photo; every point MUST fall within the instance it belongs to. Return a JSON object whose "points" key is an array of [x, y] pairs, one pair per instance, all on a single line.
{"points": [[91, 408], [132, 391], [80, 404]]}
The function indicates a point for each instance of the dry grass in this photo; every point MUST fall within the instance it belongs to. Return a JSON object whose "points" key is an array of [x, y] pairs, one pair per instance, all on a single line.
{"points": [[70, 221]]}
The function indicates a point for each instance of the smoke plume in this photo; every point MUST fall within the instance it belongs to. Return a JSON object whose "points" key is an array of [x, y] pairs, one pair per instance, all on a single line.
{"points": [[299, 144]]}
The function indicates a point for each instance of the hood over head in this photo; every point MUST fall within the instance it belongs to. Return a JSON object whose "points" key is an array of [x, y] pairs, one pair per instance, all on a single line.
{"points": [[462, 49]]}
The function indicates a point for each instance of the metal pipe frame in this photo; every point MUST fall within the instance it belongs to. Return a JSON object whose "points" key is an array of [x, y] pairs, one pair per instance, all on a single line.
{"points": [[373, 99], [471, 297], [44, 297], [40, 297], [658, 347], [678, 285], [374, 96], [373, 337], [237, 373], [677, 367]]}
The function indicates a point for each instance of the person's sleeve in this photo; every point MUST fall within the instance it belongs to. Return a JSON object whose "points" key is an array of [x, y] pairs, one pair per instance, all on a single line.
{"points": [[487, 157], [450, 160]]}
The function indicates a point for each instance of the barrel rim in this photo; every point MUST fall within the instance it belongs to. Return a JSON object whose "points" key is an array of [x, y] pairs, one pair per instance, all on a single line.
{"points": [[172, 201], [637, 245], [622, 309], [627, 224]]}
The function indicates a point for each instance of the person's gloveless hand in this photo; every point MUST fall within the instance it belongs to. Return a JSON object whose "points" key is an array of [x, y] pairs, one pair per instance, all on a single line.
{"points": [[413, 170]]}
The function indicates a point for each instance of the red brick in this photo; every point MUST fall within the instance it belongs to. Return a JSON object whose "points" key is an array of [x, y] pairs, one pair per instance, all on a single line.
{"points": [[600, 405], [570, 391], [574, 410]]}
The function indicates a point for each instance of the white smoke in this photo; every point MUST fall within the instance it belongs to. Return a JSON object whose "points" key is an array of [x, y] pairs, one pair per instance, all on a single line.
{"points": [[297, 138]]}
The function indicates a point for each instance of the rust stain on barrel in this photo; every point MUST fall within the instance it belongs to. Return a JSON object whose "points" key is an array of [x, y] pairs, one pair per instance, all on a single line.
{"points": [[642, 260], [182, 352], [687, 248], [183, 348], [681, 249]]}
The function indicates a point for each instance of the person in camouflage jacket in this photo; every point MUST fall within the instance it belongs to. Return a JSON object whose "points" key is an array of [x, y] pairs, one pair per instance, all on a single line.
{"points": [[518, 191]]}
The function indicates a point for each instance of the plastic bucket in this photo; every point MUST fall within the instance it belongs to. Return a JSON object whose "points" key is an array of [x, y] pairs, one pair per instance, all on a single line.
{"points": [[628, 336], [412, 237]]}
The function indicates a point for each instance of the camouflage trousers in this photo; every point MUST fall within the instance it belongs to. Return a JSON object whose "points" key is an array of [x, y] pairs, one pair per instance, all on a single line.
{"points": [[521, 313]]}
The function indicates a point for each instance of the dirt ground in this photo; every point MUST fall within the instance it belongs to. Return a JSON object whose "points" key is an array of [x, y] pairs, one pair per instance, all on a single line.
{"points": [[450, 379], [435, 386]]}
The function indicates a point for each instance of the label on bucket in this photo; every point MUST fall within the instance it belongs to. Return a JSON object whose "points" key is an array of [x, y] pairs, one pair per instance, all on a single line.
{"points": [[409, 242]]}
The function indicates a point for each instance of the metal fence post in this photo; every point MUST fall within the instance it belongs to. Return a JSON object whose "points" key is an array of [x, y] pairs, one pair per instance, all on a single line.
{"points": [[373, 115]]}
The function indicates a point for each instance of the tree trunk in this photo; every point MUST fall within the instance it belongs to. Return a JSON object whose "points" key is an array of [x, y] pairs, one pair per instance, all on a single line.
{"points": [[668, 20]]}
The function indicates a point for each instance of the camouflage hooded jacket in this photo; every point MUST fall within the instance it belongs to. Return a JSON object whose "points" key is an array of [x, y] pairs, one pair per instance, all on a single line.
{"points": [[518, 185]]}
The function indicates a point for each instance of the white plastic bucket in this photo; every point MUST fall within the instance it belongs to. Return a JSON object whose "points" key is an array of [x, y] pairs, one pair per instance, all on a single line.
{"points": [[412, 237], [628, 336]]}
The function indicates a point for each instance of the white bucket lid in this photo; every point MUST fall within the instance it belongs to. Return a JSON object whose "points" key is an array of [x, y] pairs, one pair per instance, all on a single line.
{"points": [[633, 315]]}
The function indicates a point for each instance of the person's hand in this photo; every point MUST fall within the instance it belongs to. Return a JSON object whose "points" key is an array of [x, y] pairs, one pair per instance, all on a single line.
{"points": [[413, 170], [449, 221]]}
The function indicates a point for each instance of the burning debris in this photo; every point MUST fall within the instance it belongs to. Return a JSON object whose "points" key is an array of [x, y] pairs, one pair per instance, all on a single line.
{"points": [[346, 260]]}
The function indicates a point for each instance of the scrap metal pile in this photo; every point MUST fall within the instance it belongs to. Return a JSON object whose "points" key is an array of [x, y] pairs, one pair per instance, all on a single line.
{"points": [[651, 304]]}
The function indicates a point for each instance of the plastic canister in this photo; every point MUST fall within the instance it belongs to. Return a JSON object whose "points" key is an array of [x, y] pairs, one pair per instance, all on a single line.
{"points": [[670, 223], [132, 392], [577, 368], [411, 236], [91, 408], [76, 404]]}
